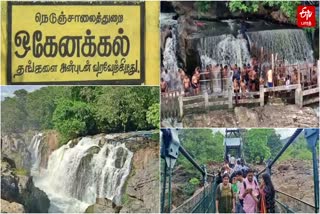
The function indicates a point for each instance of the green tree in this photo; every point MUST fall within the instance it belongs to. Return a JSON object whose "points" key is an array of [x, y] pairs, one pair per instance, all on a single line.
{"points": [[12, 118], [73, 119], [298, 150], [41, 104], [124, 108], [203, 145], [256, 145], [153, 115], [274, 144], [289, 8]]}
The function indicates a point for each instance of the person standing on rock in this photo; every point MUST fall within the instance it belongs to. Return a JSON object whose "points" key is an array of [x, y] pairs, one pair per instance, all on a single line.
{"points": [[249, 192], [267, 193], [225, 200]]}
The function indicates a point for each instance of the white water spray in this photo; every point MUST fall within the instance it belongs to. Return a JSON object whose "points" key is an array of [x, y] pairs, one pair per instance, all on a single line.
{"points": [[79, 174]]}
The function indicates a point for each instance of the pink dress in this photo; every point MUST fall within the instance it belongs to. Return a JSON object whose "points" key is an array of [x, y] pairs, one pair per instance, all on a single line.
{"points": [[249, 204]]}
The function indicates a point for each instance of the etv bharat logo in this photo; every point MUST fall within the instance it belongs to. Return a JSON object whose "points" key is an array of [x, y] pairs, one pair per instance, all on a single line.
{"points": [[306, 16]]}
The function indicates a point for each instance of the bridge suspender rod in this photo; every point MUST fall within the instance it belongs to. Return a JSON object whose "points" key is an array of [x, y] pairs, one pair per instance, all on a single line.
{"points": [[194, 163], [169, 189], [312, 136], [163, 196], [316, 179], [290, 141]]}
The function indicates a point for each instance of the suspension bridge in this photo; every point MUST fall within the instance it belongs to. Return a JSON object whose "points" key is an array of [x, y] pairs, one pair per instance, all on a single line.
{"points": [[203, 201]]}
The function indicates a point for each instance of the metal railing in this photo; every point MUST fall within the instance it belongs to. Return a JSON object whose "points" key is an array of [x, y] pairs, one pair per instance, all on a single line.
{"points": [[312, 135], [293, 204], [204, 200], [200, 201]]}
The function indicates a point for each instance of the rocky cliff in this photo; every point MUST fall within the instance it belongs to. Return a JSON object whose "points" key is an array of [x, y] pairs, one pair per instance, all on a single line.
{"points": [[18, 193], [17, 148], [14, 147]]}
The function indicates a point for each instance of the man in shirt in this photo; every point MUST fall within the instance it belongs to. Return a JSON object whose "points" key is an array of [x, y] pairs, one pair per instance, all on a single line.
{"points": [[249, 192]]}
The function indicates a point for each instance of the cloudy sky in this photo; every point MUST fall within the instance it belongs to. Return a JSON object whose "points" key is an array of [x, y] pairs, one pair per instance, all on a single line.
{"points": [[7, 91]]}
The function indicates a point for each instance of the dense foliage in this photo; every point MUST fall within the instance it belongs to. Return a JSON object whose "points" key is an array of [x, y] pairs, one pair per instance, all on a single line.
{"points": [[202, 144], [289, 8], [256, 148], [77, 111], [299, 150]]}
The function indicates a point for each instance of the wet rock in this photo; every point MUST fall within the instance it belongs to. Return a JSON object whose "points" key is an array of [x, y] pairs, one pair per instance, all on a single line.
{"points": [[49, 144], [93, 150], [13, 207], [121, 157], [21, 189], [9, 183], [103, 205], [34, 199]]}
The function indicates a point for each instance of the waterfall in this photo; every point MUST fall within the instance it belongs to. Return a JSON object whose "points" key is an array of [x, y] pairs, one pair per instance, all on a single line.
{"points": [[78, 174], [170, 62], [290, 44], [35, 150], [224, 49]]}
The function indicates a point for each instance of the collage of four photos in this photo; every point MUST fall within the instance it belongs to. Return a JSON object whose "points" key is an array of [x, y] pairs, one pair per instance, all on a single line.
{"points": [[160, 106]]}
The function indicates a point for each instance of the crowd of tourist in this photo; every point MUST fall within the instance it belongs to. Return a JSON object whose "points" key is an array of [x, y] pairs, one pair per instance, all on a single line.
{"points": [[247, 78], [240, 192]]}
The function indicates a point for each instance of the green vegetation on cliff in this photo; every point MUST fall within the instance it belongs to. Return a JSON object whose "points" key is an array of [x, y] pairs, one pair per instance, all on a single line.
{"points": [[77, 111]]}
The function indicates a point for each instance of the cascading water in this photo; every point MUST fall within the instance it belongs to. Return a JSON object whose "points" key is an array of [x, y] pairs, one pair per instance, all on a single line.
{"points": [[170, 62], [290, 44], [34, 149], [224, 49], [78, 174]]}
